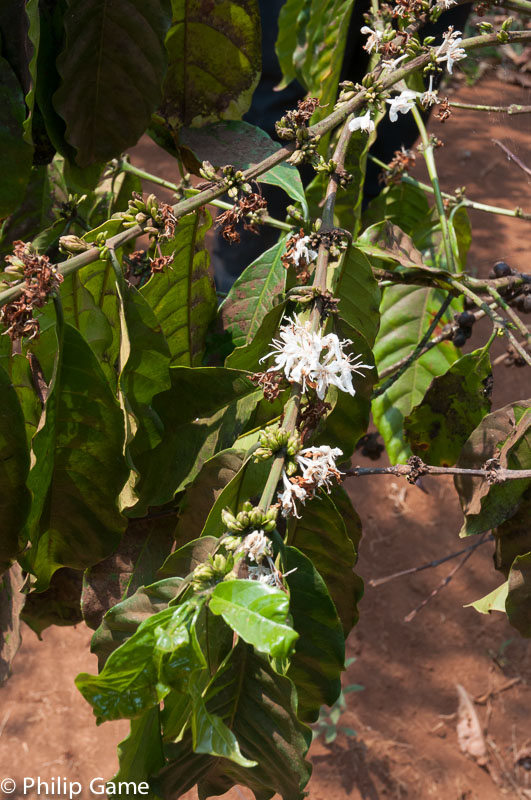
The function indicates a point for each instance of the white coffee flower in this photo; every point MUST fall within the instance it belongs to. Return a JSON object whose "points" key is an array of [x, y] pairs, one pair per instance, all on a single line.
{"points": [[363, 123], [403, 103], [449, 50], [262, 575], [394, 62], [256, 546], [314, 360], [292, 492], [429, 97], [319, 465], [303, 251], [373, 42], [446, 4]]}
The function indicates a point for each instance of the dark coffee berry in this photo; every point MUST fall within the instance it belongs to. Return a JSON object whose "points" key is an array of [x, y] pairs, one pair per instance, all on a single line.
{"points": [[501, 269], [469, 303], [465, 320], [460, 338]]}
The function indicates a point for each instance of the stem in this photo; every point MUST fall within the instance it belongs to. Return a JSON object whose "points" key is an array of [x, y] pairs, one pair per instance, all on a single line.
{"points": [[427, 152], [405, 470], [464, 201], [514, 108], [510, 313], [332, 121]]}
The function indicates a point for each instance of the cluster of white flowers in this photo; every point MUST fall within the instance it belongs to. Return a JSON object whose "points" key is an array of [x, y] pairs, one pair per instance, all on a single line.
{"points": [[262, 574], [402, 103], [429, 97], [450, 51], [318, 465], [298, 354], [256, 546], [303, 251]]}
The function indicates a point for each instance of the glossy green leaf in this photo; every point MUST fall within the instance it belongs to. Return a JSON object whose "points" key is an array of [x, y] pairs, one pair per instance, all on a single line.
{"points": [[518, 604], [213, 61], [203, 412], [506, 434], [359, 294], [108, 92], [259, 706], [313, 50], [349, 418], [142, 550], [406, 313], [249, 356], [242, 145], [15, 153], [493, 601], [79, 467], [406, 206], [321, 534], [135, 676], [257, 613], [141, 753], [452, 408], [210, 735], [183, 297], [15, 498], [123, 619], [259, 288], [319, 658], [200, 497]]}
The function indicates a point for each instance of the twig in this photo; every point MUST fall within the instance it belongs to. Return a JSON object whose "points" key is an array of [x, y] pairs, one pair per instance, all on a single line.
{"points": [[415, 470], [482, 699], [430, 565], [511, 155], [412, 614], [505, 772], [514, 108], [417, 352]]}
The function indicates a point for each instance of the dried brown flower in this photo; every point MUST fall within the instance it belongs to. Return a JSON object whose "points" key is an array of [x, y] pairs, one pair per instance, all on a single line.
{"points": [[402, 161], [444, 111], [271, 383]]}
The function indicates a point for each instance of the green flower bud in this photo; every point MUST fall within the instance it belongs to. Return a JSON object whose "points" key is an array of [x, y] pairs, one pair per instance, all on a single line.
{"points": [[73, 244], [231, 543]]}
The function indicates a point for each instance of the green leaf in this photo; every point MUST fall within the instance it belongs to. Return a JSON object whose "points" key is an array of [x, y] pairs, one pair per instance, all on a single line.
{"points": [[210, 735], [135, 676], [493, 601], [505, 433], [60, 604], [141, 753], [11, 604], [248, 356], [257, 613], [242, 145], [359, 294], [321, 534], [406, 206], [24, 384], [142, 549], [214, 61], [201, 496], [15, 153], [453, 406], [311, 45], [316, 666], [247, 484], [406, 313], [34, 33], [123, 619], [15, 498], [518, 604], [203, 412], [111, 66], [184, 560], [349, 418], [183, 297], [79, 467], [260, 287], [259, 707]]}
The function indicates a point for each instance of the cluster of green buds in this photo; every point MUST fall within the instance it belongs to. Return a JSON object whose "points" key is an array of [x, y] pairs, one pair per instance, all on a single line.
{"points": [[249, 517], [215, 569], [208, 172], [306, 152], [503, 34], [69, 208], [182, 187], [73, 245], [140, 210], [348, 92], [234, 180], [275, 438], [374, 89]]}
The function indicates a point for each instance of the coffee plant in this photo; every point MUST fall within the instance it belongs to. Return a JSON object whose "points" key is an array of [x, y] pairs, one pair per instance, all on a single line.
{"points": [[171, 465]]}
